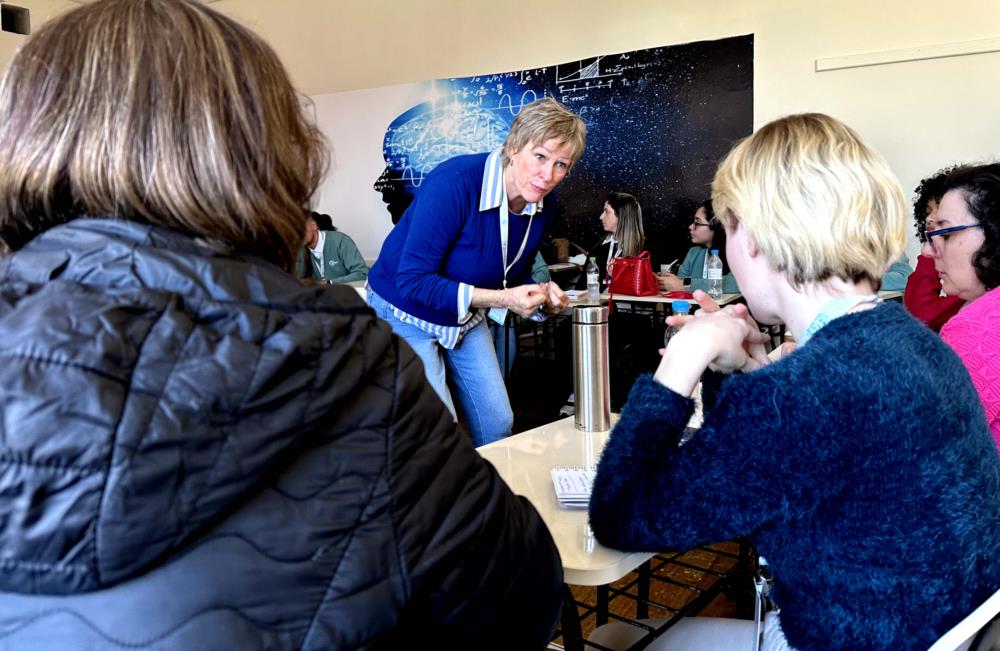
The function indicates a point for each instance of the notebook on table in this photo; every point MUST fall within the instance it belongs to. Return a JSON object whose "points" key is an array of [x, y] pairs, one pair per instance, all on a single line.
{"points": [[573, 486]]}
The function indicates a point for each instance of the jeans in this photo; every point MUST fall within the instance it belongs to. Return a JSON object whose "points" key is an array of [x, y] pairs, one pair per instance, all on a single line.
{"points": [[472, 369], [506, 351]]}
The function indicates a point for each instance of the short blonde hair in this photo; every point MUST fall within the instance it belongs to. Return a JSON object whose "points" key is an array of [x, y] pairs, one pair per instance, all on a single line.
{"points": [[818, 201], [543, 120], [163, 111]]}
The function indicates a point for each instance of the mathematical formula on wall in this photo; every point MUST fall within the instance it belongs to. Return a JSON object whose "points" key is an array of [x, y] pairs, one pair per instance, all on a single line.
{"points": [[658, 121]]}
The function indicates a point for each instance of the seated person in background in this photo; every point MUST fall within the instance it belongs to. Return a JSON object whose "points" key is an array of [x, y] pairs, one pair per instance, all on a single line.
{"points": [[197, 450], [894, 279], [333, 256], [924, 297], [706, 234], [881, 523], [621, 219], [965, 247]]}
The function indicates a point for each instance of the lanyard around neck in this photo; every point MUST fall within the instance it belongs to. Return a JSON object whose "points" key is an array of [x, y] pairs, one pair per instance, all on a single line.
{"points": [[505, 234]]}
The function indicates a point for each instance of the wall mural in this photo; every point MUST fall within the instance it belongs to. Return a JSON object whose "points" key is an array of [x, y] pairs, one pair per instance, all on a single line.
{"points": [[659, 120]]}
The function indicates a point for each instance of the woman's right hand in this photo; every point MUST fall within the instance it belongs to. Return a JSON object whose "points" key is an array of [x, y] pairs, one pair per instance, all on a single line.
{"points": [[723, 339], [670, 283]]}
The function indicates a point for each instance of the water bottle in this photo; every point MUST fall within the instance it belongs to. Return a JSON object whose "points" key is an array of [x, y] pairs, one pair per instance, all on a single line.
{"points": [[680, 308], [593, 283], [714, 274]]}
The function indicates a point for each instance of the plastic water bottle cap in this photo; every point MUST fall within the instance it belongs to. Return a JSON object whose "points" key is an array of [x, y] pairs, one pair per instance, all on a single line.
{"points": [[681, 306], [715, 251]]}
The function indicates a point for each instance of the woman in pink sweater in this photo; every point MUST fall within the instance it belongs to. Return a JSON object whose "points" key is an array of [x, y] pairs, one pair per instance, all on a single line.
{"points": [[965, 247]]}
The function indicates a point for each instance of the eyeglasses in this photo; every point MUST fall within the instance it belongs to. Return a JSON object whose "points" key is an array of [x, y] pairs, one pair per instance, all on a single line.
{"points": [[699, 224], [943, 233]]}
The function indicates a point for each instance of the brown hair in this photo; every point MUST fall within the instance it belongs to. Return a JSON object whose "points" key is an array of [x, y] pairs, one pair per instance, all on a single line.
{"points": [[629, 232], [543, 120], [163, 111]]}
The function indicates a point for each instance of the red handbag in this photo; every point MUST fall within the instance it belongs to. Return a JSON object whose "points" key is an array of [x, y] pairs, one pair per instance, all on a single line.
{"points": [[633, 277]]}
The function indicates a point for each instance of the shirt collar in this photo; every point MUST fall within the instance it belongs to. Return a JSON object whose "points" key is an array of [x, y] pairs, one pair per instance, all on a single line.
{"points": [[318, 251], [492, 192]]}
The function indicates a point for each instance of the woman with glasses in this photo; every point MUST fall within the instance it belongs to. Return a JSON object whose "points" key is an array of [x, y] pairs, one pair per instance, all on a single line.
{"points": [[875, 499], [706, 234], [621, 220], [924, 297], [965, 247]]}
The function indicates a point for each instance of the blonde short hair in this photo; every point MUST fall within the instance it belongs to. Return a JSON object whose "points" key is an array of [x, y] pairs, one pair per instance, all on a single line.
{"points": [[163, 111], [543, 120], [818, 201]]}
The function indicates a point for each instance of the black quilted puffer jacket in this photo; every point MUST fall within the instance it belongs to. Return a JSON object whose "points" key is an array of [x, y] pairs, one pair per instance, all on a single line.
{"points": [[198, 452]]}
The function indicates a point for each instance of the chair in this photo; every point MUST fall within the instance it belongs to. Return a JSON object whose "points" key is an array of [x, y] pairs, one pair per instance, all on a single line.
{"points": [[561, 246], [980, 631]]}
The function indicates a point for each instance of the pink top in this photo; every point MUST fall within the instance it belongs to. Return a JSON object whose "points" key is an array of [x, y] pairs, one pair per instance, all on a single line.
{"points": [[974, 333]]}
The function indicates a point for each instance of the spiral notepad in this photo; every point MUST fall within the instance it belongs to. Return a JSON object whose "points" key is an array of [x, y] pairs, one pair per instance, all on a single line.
{"points": [[573, 486]]}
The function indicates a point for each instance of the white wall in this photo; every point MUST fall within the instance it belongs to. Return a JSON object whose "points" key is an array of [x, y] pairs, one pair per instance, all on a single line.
{"points": [[354, 122]]}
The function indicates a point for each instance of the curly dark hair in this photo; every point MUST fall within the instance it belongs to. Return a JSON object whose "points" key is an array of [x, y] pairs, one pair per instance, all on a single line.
{"points": [[981, 187], [933, 187]]}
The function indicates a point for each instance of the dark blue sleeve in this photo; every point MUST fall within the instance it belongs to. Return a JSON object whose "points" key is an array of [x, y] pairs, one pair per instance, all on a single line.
{"points": [[437, 217], [651, 494]]}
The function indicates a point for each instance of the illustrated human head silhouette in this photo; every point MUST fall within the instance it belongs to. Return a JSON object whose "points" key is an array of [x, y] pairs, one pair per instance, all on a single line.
{"points": [[426, 135]]}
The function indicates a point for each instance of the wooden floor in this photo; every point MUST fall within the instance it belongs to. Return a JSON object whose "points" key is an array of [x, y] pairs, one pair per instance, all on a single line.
{"points": [[676, 585]]}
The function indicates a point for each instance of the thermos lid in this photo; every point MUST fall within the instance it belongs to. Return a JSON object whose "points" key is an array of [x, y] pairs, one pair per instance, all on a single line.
{"points": [[590, 314]]}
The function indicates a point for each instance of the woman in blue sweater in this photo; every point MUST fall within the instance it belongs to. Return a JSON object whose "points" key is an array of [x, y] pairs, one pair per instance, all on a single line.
{"points": [[464, 248], [860, 465]]}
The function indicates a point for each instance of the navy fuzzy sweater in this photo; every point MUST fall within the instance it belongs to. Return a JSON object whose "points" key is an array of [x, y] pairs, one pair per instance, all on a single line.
{"points": [[860, 466]]}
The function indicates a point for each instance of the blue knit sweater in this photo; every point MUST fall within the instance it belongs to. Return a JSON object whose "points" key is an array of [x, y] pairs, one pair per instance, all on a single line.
{"points": [[860, 466], [444, 239]]}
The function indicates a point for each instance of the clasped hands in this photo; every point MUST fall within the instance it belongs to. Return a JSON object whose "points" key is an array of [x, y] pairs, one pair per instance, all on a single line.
{"points": [[524, 300], [722, 339]]}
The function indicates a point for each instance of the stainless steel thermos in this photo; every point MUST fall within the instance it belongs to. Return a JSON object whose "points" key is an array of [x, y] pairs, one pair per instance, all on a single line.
{"points": [[590, 368]]}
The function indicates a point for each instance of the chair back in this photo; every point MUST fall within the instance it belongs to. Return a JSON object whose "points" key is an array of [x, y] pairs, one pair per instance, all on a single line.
{"points": [[980, 631]]}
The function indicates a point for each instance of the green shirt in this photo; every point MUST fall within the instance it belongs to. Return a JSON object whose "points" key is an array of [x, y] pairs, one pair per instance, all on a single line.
{"points": [[341, 261], [693, 269]]}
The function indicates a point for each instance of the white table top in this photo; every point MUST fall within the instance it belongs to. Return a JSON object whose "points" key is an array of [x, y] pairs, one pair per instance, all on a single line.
{"points": [[524, 461], [725, 300]]}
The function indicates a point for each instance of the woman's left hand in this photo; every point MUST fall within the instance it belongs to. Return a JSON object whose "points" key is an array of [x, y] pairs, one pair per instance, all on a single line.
{"points": [[555, 298]]}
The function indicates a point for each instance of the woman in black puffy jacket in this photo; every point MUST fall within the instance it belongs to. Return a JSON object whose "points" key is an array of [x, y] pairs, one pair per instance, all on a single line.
{"points": [[196, 450]]}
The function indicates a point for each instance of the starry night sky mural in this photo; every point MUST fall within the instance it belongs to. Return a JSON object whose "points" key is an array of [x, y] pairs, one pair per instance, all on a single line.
{"points": [[659, 120]]}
